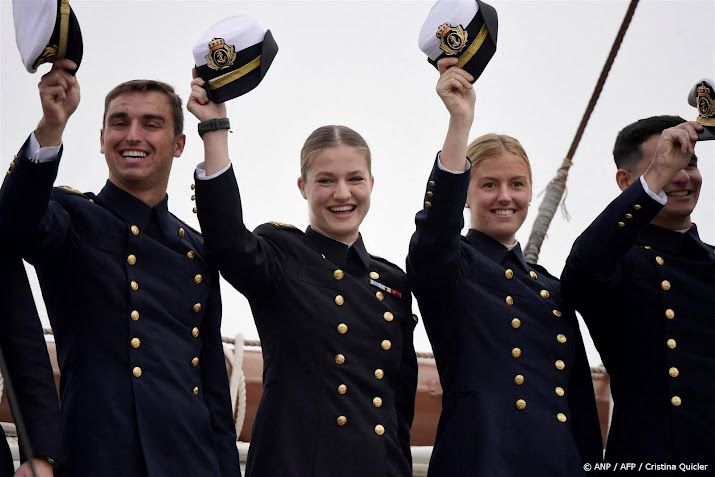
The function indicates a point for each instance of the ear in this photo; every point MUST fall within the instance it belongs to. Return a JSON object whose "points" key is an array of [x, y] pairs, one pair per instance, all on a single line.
{"points": [[101, 141], [372, 181], [179, 144], [301, 186], [623, 179]]}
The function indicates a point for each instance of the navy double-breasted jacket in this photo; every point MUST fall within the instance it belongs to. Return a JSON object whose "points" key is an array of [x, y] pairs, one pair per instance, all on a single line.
{"points": [[25, 352], [136, 312], [647, 295], [336, 326], [518, 396]]}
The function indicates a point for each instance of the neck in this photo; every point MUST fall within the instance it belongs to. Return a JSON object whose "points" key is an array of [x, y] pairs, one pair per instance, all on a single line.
{"points": [[672, 223], [150, 197]]}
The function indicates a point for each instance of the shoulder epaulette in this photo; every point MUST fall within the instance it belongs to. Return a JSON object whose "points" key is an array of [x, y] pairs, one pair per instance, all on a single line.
{"points": [[282, 225], [73, 191]]}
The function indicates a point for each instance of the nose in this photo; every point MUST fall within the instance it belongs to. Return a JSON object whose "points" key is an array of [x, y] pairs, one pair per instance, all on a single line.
{"points": [[134, 132], [680, 177], [504, 195], [341, 191]]}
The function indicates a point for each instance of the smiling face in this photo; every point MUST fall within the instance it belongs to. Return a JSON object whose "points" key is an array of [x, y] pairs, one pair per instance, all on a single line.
{"points": [[139, 142], [337, 186], [499, 195], [682, 191]]}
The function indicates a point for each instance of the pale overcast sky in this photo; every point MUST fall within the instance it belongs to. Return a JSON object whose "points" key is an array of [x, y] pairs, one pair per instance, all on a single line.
{"points": [[357, 63]]}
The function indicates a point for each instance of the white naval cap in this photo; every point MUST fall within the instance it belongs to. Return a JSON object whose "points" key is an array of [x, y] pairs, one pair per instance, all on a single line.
{"points": [[465, 29], [45, 31], [233, 56]]}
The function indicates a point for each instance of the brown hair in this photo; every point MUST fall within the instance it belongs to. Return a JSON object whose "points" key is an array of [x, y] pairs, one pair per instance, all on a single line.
{"points": [[490, 145], [331, 136], [146, 86]]}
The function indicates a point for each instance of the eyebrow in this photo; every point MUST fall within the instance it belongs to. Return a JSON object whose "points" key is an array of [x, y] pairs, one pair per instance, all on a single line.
{"points": [[145, 117]]}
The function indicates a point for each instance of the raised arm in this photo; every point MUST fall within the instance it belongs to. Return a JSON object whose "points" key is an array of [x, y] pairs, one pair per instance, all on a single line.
{"points": [[247, 261]]}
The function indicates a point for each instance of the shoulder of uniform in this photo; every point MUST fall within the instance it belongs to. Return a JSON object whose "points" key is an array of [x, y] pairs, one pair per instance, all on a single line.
{"points": [[65, 189], [274, 226], [542, 270], [184, 225], [387, 263]]}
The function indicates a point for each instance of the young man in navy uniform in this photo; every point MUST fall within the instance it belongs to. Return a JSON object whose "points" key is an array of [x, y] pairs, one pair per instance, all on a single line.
{"points": [[25, 353], [134, 305], [645, 285]]}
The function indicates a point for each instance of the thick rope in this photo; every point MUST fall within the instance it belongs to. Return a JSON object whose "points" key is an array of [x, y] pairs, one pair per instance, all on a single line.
{"points": [[557, 186]]}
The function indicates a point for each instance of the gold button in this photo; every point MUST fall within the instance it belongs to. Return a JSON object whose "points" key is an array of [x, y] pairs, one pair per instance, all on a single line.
{"points": [[134, 315], [195, 332], [377, 401], [659, 260], [671, 343], [339, 359], [197, 307], [515, 353], [193, 186], [621, 224], [629, 216], [339, 300], [196, 390], [520, 404], [516, 323], [429, 194], [557, 313], [338, 274], [379, 429], [194, 210], [380, 296], [198, 279], [195, 362], [388, 316], [561, 338], [431, 183], [374, 275], [561, 417], [647, 247], [560, 391], [673, 372], [519, 379], [669, 313], [379, 374], [560, 365], [193, 196], [509, 300], [342, 389], [137, 372], [386, 345], [134, 229], [190, 255], [342, 328], [428, 204], [637, 207], [665, 285], [676, 401], [12, 166], [182, 232], [544, 293], [341, 420], [134, 285], [533, 275], [131, 259], [509, 273], [136, 343]]}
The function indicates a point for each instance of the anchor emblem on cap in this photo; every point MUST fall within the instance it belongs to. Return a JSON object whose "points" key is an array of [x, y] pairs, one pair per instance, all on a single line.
{"points": [[221, 55], [452, 39]]}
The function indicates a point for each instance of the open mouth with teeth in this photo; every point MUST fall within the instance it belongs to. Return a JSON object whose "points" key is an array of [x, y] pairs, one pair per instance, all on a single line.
{"points": [[504, 212], [133, 155], [678, 193], [342, 209]]}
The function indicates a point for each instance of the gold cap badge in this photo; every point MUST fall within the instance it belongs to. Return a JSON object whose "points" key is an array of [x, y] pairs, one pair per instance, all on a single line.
{"points": [[453, 39], [221, 55]]}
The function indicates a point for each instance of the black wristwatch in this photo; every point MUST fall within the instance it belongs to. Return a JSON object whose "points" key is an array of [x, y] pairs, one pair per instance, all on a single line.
{"points": [[213, 125]]}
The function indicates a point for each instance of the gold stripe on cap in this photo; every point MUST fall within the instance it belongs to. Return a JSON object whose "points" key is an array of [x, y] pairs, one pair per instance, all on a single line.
{"points": [[472, 50], [706, 121], [64, 28], [233, 76]]}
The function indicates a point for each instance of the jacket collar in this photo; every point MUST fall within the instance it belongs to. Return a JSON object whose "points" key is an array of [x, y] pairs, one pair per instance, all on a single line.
{"points": [[134, 211], [673, 241], [495, 250], [336, 252]]}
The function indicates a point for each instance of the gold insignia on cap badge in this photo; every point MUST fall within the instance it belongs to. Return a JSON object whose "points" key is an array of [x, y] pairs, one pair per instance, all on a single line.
{"points": [[706, 105], [221, 55], [452, 39]]}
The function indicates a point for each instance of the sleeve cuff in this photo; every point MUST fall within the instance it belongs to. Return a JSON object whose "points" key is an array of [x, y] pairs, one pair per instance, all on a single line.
{"points": [[441, 167], [659, 196], [38, 154], [201, 171]]}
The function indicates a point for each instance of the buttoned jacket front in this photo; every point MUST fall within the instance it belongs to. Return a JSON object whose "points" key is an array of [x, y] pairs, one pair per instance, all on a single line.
{"points": [[647, 295], [136, 313], [336, 332], [518, 397]]}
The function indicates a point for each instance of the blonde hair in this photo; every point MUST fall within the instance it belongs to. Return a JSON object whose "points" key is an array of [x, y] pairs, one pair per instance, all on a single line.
{"points": [[490, 145], [331, 136]]}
